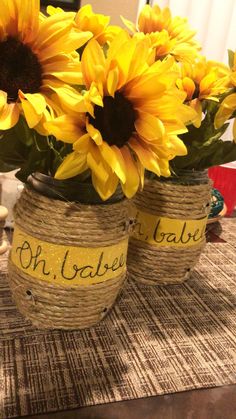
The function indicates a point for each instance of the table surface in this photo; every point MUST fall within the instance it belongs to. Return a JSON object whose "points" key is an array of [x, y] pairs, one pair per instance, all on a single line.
{"points": [[212, 403]]}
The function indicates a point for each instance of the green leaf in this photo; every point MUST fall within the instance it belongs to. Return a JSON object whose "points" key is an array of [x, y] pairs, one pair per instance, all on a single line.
{"points": [[217, 153], [25, 149], [36, 161], [41, 142], [204, 144], [24, 133], [15, 145], [12, 151], [231, 58], [59, 151]]}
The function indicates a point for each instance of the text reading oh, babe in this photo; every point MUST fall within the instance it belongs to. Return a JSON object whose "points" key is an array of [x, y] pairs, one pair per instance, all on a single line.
{"points": [[67, 264], [163, 231]]}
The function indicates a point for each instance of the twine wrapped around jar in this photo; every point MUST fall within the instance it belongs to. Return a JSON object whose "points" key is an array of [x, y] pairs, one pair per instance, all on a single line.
{"points": [[168, 256], [49, 304]]}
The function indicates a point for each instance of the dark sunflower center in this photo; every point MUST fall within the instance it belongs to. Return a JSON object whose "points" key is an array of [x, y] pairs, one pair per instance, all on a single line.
{"points": [[115, 120], [19, 69], [196, 92]]}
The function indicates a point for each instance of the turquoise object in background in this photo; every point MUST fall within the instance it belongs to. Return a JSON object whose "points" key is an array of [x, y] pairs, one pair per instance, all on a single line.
{"points": [[217, 203]]}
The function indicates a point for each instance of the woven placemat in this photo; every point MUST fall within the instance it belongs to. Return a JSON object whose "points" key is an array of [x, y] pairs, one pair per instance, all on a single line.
{"points": [[156, 340]]}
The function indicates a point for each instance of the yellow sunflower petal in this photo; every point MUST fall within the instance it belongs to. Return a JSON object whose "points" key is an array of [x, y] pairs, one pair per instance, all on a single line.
{"points": [[149, 127], [112, 81], [93, 63], [123, 59], [3, 99], [131, 185], [28, 22], [51, 10], [109, 34], [120, 167], [86, 20], [65, 128], [9, 116], [174, 114], [146, 157], [225, 111], [64, 68], [33, 106], [53, 106], [94, 95], [130, 25], [206, 83], [72, 165], [5, 18], [234, 130], [115, 46], [176, 146], [139, 59], [148, 18], [65, 43], [88, 103], [189, 87], [83, 12], [82, 144], [147, 106], [94, 133], [46, 117], [174, 126], [141, 172], [164, 167], [113, 159], [31, 116], [105, 189], [52, 27], [161, 67], [96, 164], [146, 86], [69, 98], [187, 114], [197, 106], [37, 101]]}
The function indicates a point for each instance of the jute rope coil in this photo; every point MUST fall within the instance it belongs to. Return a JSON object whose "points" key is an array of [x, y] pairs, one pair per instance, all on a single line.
{"points": [[3, 216], [155, 265], [50, 305]]}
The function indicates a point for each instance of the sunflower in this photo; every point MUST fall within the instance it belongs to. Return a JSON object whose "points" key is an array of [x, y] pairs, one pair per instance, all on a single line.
{"points": [[170, 35], [96, 23], [228, 105], [133, 120], [203, 80], [35, 52]]}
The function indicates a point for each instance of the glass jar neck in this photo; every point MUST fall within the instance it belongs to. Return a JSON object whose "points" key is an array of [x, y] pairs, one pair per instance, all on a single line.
{"points": [[188, 177]]}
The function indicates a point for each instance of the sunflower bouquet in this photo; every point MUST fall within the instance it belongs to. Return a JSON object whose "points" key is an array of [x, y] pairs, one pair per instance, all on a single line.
{"points": [[79, 96], [209, 88], [82, 98]]}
